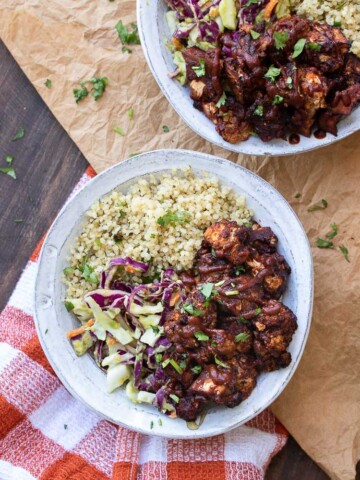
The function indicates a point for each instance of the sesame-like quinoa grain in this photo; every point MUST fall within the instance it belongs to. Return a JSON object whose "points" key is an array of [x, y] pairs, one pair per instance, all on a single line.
{"points": [[126, 225]]}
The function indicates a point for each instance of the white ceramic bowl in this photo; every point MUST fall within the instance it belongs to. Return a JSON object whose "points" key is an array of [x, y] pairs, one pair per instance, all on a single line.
{"points": [[153, 31], [80, 375]]}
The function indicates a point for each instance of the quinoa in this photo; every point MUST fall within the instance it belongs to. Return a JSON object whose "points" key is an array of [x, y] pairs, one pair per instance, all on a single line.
{"points": [[125, 224], [345, 14]]}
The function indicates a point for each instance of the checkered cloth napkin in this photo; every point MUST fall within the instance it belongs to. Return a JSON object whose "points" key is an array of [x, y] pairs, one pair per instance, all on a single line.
{"points": [[46, 434]]}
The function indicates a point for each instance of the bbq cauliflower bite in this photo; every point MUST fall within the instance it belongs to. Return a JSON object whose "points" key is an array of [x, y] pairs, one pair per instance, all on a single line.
{"points": [[228, 240], [273, 331]]}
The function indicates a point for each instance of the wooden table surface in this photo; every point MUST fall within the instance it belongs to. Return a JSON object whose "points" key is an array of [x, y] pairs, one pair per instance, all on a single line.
{"points": [[48, 165]]}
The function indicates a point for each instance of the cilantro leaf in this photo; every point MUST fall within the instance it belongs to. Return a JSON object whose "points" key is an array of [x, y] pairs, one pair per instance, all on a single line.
{"points": [[289, 82], [298, 47], [318, 206], [166, 129], [241, 319], [241, 337], [259, 111], [222, 100], [88, 272], [8, 171], [278, 99], [320, 243], [189, 308], [80, 93], [345, 252], [201, 336], [280, 39], [254, 35], [127, 37], [200, 69], [19, 134], [9, 159], [333, 233], [173, 217], [47, 83], [68, 271], [272, 73], [99, 85], [207, 290], [258, 311]]}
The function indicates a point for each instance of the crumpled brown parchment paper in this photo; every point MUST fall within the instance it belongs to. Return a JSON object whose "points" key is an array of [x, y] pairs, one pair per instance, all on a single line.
{"points": [[67, 41]]}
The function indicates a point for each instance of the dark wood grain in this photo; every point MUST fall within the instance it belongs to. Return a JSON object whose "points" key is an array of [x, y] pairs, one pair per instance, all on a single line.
{"points": [[48, 165]]}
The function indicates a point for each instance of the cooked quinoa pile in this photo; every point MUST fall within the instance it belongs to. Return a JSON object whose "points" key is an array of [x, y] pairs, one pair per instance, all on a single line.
{"points": [[345, 14], [121, 225]]}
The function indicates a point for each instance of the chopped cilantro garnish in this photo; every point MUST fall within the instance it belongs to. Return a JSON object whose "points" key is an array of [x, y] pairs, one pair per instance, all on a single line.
{"points": [[207, 290], [119, 130], [201, 336], [298, 47], [280, 39], [333, 233], [166, 129], [88, 272], [160, 422], [131, 113], [314, 46], [200, 69], [197, 369], [9, 159], [259, 111], [239, 269], [80, 93], [272, 73], [318, 206], [69, 306], [241, 337], [182, 364], [19, 134], [158, 357], [320, 243], [289, 82], [254, 35], [222, 100], [127, 37], [8, 171], [258, 311], [220, 363], [174, 397], [173, 217], [47, 83], [277, 100], [97, 90], [155, 329], [337, 23], [213, 344], [345, 252]]}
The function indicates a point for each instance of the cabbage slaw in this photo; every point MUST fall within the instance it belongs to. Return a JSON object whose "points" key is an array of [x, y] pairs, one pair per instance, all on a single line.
{"points": [[122, 326]]}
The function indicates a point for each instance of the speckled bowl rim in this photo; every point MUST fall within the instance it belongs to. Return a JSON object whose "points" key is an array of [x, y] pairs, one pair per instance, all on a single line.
{"points": [[45, 279], [151, 32]]}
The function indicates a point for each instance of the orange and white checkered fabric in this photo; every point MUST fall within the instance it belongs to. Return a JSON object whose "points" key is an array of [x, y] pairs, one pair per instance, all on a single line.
{"points": [[46, 434]]}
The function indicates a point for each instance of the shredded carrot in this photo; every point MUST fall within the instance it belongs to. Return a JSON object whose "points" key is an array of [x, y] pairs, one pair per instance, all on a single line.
{"points": [[79, 331], [131, 269], [269, 8], [110, 341], [175, 297], [177, 44]]}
